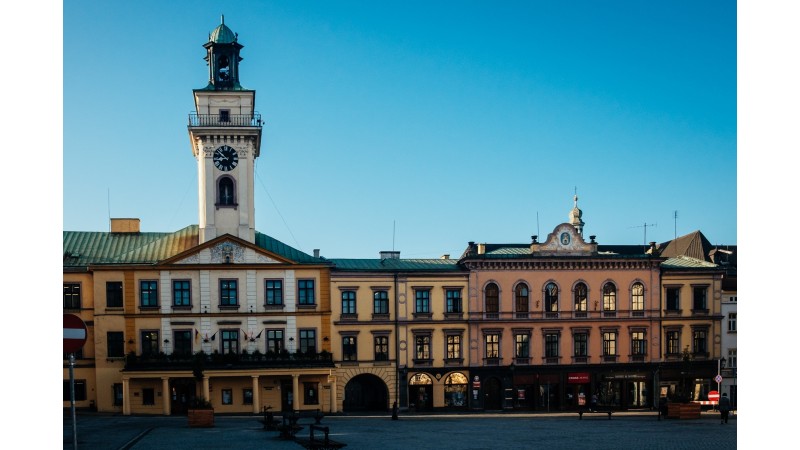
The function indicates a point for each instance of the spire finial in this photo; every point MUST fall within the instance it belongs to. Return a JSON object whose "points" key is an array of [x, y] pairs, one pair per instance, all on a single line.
{"points": [[222, 18]]}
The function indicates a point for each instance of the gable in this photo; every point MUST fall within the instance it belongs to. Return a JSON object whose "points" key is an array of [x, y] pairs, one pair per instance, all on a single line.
{"points": [[564, 241], [227, 251]]}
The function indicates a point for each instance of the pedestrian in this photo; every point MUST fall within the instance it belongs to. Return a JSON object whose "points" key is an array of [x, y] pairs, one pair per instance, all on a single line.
{"points": [[593, 404], [724, 408]]}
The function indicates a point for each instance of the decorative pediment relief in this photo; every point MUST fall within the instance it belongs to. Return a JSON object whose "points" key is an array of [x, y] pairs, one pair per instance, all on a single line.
{"points": [[227, 252], [566, 241]]}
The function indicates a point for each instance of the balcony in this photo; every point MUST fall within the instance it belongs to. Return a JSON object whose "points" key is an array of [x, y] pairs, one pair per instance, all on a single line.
{"points": [[228, 361], [229, 120]]}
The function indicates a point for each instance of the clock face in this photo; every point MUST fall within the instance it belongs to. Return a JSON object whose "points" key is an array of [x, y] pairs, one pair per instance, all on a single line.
{"points": [[564, 238], [225, 158]]}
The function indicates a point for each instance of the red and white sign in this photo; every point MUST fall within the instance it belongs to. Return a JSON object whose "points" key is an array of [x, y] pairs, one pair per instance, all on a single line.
{"points": [[578, 378], [74, 333], [713, 396]]}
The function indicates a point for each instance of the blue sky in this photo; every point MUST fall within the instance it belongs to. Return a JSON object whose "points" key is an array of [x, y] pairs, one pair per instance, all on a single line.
{"points": [[414, 125]]}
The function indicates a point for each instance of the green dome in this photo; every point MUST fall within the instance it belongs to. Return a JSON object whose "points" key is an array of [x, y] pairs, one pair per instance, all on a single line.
{"points": [[222, 34]]}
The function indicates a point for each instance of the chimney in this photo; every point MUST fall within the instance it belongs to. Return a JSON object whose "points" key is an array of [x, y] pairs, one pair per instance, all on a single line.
{"points": [[481, 249], [387, 254], [125, 226], [316, 253], [446, 256]]}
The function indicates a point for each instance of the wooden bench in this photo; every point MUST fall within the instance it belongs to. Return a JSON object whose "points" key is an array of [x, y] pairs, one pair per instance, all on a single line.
{"points": [[592, 411], [289, 427], [319, 444]]}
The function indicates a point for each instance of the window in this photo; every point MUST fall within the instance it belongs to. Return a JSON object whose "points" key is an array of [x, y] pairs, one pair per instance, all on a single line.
{"points": [[609, 297], [349, 348], [492, 345], [150, 343], [699, 298], [673, 342], [305, 292], [227, 397], [422, 347], [492, 294], [380, 302], [310, 394], [381, 348], [609, 343], [230, 341], [637, 297], [275, 341], [422, 301], [115, 344], [551, 297], [731, 358], [148, 396], [580, 345], [116, 393], [638, 343], [521, 297], [308, 341], [551, 345], [226, 195], [700, 341], [148, 293], [273, 292], [181, 293], [114, 294], [732, 322], [453, 299], [228, 292], [72, 296], [80, 390], [349, 302], [673, 299], [522, 345], [182, 343], [247, 396], [581, 296], [453, 346]]}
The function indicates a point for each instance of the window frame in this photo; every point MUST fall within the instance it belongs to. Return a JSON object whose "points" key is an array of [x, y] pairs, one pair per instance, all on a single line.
{"points": [[522, 300], [381, 347], [115, 344], [275, 340], [349, 302], [637, 296], [72, 295], [609, 343], [273, 292], [181, 340], [380, 302], [349, 348], [148, 294], [229, 341], [639, 342], [422, 301], [308, 340], [491, 300], [550, 294], [453, 301], [182, 293], [522, 345], [114, 294], [150, 343], [229, 292], [700, 298], [672, 298], [609, 297], [306, 292], [580, 344], [580, 297]]}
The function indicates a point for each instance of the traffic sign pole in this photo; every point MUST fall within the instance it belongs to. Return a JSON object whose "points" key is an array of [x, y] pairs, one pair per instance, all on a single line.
{"points": [[72, 400], [718, 379]]}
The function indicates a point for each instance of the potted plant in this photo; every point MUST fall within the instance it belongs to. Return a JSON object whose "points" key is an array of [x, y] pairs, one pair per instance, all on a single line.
{"points": [[201, 413]]}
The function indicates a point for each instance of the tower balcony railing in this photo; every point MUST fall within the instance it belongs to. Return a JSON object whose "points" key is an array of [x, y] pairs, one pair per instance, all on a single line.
{"points": [[225, 120]]}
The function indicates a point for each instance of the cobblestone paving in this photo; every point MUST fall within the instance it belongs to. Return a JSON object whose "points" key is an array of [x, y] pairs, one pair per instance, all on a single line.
{"points": [[420, 432]]}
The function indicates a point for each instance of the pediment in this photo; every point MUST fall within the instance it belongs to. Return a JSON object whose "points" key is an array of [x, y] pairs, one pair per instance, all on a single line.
{"points": [[227, 250], [564, 241]]}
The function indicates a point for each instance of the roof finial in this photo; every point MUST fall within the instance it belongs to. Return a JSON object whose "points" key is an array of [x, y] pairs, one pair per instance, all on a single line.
{"points": [[576, 196], [222, 18]]}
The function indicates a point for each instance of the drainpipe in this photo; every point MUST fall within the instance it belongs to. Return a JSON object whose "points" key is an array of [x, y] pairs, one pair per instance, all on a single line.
{"points": [[396, 343]]}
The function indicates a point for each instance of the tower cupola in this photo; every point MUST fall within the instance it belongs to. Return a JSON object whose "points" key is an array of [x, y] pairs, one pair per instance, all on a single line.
{"points": [[223, 58]]}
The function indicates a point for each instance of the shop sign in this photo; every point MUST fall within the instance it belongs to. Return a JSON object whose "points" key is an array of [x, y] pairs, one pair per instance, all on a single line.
{"points": [[578, 378]]}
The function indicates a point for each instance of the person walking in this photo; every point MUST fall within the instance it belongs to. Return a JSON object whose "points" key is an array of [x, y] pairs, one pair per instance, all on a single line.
{"points": [[724, 408]]}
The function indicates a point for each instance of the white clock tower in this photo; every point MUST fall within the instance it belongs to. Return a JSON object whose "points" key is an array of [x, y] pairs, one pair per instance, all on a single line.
{"points": [[225, 133]]}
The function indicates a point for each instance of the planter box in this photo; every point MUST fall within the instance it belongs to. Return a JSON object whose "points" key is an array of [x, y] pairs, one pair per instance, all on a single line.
{"points": [[683, 411], [201, 418]]}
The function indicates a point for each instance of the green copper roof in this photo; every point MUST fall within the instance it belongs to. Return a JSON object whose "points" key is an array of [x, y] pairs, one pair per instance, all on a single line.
{"points": [[222, 34], [82, 248], [392, 265]]}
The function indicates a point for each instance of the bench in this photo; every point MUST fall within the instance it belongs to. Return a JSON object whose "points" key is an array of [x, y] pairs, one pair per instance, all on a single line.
{"points": [[319, 444], [289, 428], [269, 420], [593, 411]]}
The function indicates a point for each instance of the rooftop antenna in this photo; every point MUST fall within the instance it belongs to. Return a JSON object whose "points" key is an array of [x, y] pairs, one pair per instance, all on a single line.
{"points": [[109, 208], [645, 225], [393, 233], [537, 223], [675, 217]]}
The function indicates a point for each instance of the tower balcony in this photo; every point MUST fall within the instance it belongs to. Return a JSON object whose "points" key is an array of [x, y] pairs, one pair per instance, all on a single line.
{"points": [[223, 119]]}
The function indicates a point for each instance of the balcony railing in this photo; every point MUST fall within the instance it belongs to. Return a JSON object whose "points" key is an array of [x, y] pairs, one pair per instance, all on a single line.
{"points": [[222, 120], [217, 361]]}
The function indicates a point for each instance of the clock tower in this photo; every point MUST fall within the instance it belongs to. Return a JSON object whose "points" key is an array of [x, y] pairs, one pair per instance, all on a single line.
{"points": [[225, 134]]}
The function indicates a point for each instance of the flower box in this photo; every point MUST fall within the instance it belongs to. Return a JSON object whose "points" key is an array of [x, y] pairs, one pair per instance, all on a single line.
{"points": [[201, 418], [683, 411]]}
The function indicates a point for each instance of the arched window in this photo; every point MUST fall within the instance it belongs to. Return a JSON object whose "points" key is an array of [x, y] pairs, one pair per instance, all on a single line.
{"points": [[521, 296], [492, 293], [226, 195], [455, 390], [551, 298], [637, 297], [581, 297], [609, 297]]}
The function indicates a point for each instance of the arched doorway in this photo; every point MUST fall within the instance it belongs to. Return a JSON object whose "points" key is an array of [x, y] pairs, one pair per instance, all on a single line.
{"points": [[366, 392], [492, 394], [455, 390], [420, 392]]}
